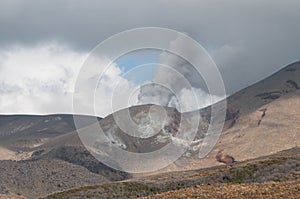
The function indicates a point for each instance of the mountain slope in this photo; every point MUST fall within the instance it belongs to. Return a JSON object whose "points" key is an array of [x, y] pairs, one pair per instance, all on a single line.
{"points": [[261, 120], [35, 178], [45, 154], [269, 116], [21, 132]]}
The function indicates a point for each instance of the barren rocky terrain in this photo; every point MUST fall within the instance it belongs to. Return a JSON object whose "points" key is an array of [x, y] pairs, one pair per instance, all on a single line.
{"points": [[41, 155]]}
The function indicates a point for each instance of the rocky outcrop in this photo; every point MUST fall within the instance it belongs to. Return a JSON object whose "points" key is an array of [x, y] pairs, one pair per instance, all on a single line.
{"points": [[293, 84], [232, 116], [269, 95], [263, 114], [226, 159]]}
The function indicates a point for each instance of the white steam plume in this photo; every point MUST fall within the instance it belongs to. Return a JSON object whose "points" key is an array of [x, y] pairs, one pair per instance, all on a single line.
{"points": [[175, 75]]}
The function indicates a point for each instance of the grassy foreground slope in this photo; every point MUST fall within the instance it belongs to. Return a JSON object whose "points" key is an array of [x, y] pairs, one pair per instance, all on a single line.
{"points": [[267, 190], [240, 178]]}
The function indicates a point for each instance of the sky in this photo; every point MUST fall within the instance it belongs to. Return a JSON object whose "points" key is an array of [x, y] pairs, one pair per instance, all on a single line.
{"points": [[43, 45]]}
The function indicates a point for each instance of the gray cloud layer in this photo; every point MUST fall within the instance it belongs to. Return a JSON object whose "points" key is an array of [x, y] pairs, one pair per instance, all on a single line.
{"points": [[247, 39]]}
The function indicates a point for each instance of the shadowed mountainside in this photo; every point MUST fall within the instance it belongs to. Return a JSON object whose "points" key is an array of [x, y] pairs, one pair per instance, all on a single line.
{"points": [[21, 132]]}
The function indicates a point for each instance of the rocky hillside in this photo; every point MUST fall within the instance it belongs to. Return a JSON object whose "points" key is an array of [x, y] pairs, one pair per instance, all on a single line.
{"points": [[23, 132], [45, 154], [267, 117], [35, 178], [261, 120]]}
